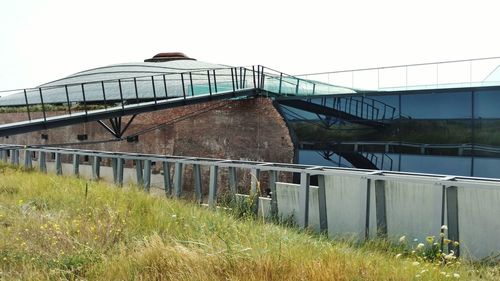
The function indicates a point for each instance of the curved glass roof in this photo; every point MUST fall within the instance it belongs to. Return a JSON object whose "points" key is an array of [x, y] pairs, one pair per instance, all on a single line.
{"points": [[130, 70], [159, 80], [107, 82]]}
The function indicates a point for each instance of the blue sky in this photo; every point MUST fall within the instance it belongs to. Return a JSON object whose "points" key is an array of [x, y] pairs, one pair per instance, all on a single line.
{"points": [[42, 40]]}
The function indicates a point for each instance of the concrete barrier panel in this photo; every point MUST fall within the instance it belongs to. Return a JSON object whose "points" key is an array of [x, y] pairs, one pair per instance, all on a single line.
{"points": [[413, 210], [479, 222], [288, 203]]}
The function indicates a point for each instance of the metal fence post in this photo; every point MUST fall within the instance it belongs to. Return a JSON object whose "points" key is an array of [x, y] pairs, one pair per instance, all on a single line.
{"points": [[166, 178], [452, 215], [42, 161], [323, 217], [139, 172], [197, 182], [96, 167], [380, 208], [115, 170], [178, 180], [273, 178], [119, 171], [255, 183], [27, 159], [15, 157], [76, 164], [147, 175], [58, 164], [232, 181], [303, 212], [212, 189], [367, 210]]}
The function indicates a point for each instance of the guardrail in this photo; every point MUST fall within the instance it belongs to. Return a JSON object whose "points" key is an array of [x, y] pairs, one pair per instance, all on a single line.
{"points": [[372, 195]]}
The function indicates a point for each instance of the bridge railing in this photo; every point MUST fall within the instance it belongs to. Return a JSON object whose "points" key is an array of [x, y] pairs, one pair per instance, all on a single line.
{"points": [[346, 202], [83, 97], [435, 75]]}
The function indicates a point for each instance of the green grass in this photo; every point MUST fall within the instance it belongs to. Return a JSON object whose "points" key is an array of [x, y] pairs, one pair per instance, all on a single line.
{"points": [[54, 228]]}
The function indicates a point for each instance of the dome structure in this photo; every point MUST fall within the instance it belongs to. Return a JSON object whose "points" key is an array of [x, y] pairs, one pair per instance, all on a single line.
{"points": [[135, 79]]}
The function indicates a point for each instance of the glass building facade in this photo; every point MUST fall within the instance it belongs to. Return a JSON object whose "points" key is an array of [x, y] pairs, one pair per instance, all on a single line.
{"points": [[441, 131]]}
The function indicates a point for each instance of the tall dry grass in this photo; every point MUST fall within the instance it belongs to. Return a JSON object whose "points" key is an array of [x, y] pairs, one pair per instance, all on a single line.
{"points": [[54, 228]]}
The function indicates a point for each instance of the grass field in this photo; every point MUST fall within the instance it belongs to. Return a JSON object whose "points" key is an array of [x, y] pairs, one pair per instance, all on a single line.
{"points": [[54, 228]]}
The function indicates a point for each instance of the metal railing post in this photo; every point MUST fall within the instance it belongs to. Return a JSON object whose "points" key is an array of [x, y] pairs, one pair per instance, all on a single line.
{"points": [[452, 217], [121, 93], [167, 183], [154, 88], [253, 76], [380, 208], [84, 99], [27, 159], [212, 189], [191, 82], [67, 98], [197, 182], [58, 164], [165, 86], [27, 105], [139, 172], [76, 164], [323, 217], [281, 79], [232, 79], [136, 92], [273, 178], [104, 95], [209, 84], [303, 212], [42, 161], [147, 175], [96, 167], [183, 87], [119, 171], [215, 81], [43, 106], [178, 180]]}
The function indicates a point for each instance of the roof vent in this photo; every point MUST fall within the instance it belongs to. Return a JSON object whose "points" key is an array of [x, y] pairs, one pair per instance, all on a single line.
{"points": [[168, 57]]}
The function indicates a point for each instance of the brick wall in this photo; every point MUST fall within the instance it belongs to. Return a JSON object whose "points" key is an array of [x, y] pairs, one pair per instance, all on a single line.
{"points": [[249, 129]]}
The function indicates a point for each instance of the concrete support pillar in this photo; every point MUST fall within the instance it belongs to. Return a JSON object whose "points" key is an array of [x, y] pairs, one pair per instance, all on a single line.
{"points": [[139, 172], [273, 178], [197, 182], [58, 164], [119, 171], [167, 183], [27, 159], [380, 208], [42, 159], [76, 164], [303, 212], [212, 188], [146, 180], [96, 167], [323, 217], [178, 180]]}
